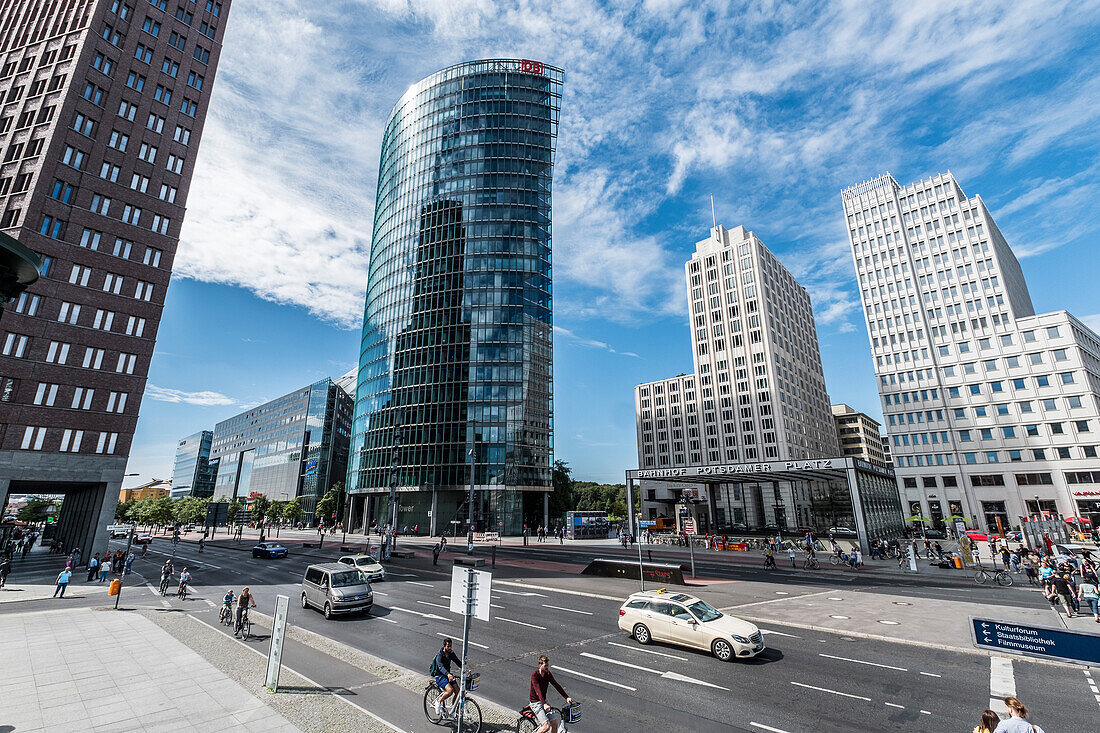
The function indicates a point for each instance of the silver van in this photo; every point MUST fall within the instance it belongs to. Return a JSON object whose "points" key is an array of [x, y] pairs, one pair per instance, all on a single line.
{"points": [[335, 588]]}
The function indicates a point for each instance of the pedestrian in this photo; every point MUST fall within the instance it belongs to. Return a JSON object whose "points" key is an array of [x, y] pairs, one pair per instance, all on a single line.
{"points": [[416, 530], [939, 550], [129, 564], [93, 567], [927, 548], [988, 722], [405, 530], [63, 579], [1005, 555], [202, 543], [435, 553], [975, 555], [790, 554], [525, 535], [5, 568], [117, 565], [1061, 593], [1017, 721], [916, 551], [561, 536], [1088, 595], [857, 558]]}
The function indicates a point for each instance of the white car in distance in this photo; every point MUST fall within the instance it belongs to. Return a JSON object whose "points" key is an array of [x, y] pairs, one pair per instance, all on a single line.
{"points": [[679, 618], [371, 567]]}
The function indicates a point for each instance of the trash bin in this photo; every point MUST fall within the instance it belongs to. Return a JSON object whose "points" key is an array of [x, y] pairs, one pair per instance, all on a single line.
{"points": [[114, 588], [958, 562]]}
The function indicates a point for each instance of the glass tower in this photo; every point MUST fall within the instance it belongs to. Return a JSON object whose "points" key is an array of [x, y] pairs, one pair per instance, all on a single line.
{"points": [[455, 373]]}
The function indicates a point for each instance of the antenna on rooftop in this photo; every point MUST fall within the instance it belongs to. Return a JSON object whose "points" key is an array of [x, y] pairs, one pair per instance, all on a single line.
{"points": [[713, 221]]}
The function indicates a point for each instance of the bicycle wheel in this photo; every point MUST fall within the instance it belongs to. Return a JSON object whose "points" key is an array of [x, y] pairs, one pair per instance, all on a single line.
{"points": [[834, 560], [471, 716], [431, 694], [981, 577], [1003, 578], [246, 628], [526, 725]]}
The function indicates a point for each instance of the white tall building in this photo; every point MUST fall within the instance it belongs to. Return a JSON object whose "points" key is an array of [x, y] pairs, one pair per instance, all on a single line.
{"points": [[757, 392], [992, 410]]}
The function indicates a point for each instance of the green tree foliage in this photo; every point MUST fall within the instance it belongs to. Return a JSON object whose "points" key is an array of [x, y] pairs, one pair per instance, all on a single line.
{"points": [[561, 500], [233, 509], [122, 511], [162, 511], [331, 503], [292, 510], [191, 510], [35, 510], [275, 511], [611, 498], [260, 505]]}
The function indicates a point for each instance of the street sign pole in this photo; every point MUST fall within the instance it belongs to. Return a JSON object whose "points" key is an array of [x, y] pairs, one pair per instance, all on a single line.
{"points": [[275, 648], [641, 572], [129, 544], [471, 603]]}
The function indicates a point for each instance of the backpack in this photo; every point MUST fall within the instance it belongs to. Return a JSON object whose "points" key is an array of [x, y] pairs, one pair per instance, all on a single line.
{"points": [[434, 669]]}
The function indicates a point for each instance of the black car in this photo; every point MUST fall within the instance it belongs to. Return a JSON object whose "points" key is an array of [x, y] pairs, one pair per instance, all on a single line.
{"points": [[269, 549]]}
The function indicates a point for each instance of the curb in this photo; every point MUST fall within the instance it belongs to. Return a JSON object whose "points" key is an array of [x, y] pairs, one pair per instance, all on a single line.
{"points": [[908, 642]]}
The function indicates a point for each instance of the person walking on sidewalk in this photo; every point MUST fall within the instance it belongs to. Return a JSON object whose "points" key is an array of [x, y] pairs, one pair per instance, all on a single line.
{"points": [[104, 570], [1061, 593], [63, 579], [5, 568], [1089, 596], [790, 554], [561, 536], [129, 568], [525, 535], [435, 554], [93, 567], [988, 722], [1017, 721]]}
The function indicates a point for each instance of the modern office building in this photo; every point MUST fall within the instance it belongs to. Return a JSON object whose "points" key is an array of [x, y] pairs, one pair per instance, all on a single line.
{"points": [[858, 434], [992, 410], [295, 446], [454, 383], [102, 106], [754, 410], [192, 474], [887, 454]]}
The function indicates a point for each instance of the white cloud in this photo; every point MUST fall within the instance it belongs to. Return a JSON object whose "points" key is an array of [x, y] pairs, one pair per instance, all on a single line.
{"points": [[202, 398], [566, 334], [1092, 322]]}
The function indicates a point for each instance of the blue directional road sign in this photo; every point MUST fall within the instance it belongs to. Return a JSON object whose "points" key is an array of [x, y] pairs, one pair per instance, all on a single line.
{"points": [[1036, 641]]}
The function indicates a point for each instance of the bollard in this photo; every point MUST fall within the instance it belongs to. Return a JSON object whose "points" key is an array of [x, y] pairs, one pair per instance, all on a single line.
{"points": [[494, 549]]}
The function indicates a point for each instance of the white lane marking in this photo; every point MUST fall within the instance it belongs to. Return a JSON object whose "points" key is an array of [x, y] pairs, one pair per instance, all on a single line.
{"points": [[761, 726], [925, 712], [617, 599], [521, 623], [380, 593], [164, 602], [570, 610], [435, 605], [931, 674], [895, 705], [684, 678], [647, 651], [189, 560], [403, 575], [1002, 684], [491, 605], [471, 643], [860, 661], [387, 620], [778, 633], [621, 664], [560, 668], [418, 613], [153, 589], [415, 582], [831, 692], [514, 593], [209, 602], [775, 600]]}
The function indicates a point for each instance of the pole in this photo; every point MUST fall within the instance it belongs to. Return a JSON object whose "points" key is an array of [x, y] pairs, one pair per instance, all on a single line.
{"points": [[129, 544], [392, 539], [641, 573], [691, 550], [471, 587], [470, 509]]}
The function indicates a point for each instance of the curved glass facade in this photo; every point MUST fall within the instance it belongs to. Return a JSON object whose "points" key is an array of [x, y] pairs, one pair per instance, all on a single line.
{"points": [[457, 329]]}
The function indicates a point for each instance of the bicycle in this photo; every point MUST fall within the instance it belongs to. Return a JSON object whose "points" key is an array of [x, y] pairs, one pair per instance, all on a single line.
{"points": [[810, 562], [470, 710], [1000, 577], [181, 592], [226, 616], [570, 714], [244, 628], [164, 586]]}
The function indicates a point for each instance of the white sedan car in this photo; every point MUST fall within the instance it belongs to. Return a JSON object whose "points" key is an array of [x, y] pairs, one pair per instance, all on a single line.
{"points": [[678, 618], [367, 564]]}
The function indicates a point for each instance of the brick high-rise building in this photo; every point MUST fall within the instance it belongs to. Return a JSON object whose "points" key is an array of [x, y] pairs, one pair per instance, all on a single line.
{"points": [[102, 104]]}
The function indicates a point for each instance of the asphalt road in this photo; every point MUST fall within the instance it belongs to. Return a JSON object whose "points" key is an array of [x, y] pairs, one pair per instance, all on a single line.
{"points": [[805, 680]]}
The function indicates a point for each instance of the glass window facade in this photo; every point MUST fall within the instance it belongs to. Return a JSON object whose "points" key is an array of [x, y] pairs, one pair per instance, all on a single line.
{"points": [[457, 329], [192, 474]]}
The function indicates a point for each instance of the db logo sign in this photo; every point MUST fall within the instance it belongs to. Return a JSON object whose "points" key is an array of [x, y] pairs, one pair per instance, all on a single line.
{"points": [[530, 67]]}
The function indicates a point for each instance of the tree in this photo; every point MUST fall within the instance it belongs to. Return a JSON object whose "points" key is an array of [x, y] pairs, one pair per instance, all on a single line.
{"points": [[260, 505], [328, 504], [122, 511], [233, 510], [275, 511], [35, 510], [562, 498], [162, 512], [292, 510]]}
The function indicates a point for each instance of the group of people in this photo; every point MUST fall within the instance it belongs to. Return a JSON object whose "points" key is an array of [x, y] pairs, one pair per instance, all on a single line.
{"points": [[1016, 722], [241, 602], [119, 563], [1071, 585]]}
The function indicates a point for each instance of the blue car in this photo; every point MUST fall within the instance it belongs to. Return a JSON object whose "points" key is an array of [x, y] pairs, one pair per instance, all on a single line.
{"points": [[269, 549]]}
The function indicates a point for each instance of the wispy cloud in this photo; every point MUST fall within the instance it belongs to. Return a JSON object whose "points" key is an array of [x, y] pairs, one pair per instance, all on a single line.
{"points": [[1092, 322], [203, 398], [565, 333]]}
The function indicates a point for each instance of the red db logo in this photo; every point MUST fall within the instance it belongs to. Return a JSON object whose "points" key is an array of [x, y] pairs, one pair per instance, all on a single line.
{"points": [[530, 67]]}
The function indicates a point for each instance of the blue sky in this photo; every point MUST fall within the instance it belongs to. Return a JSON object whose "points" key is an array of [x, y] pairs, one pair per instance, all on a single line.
{"points": [[772, 108]]}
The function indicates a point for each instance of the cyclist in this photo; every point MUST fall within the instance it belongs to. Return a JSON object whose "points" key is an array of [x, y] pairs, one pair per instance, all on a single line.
{"points": [[441, 668], [165, 576], [202, 543], [145, 549], [227, 604], [245, 601], [769, 558], [185, 578], [547, 718]]}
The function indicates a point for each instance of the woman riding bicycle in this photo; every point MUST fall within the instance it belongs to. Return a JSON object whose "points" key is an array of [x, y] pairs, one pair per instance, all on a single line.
{"points": [[185, 578]]}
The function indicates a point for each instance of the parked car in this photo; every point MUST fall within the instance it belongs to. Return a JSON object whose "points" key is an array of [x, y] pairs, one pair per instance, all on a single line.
{"points": [[976, 535], [269, 549], [367, 564], [1015, 536], [116, 531], [934, 534], [143, 539], [840, 530], [679, 618], [335, 588], [739, 527]]}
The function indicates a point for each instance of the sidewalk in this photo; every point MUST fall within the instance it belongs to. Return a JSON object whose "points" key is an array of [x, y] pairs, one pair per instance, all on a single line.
{"points": [[87, 670], [34, 578]]}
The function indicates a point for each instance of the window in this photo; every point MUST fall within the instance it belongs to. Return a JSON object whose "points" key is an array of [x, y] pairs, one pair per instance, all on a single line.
{"points": [[74, 157], [82, 124], [163, 94], [57, 353], [125, 363], [1082, 426], [112, 36], [152, 257], [33, 438], [195, 80], [106, 443], [208, 29], [82, 398], [62, 191], [1066, 377], [143, 53], [202, 55], [135, 81], [103, 64], [1074, 401], [1052, 332], [1036, 358], [52, 227], [155, 123], [131, 214], [100, 204], [177, 41], [70, 440], [93, 358], [112, 283], [1029, 336], [184, 15], [1009, 432], [27, 304], [148, 153], [182, 136], [168, 193], [122, 11], [122, 248], [135, 326], [109, 172], [1018, 384], [127, 110], [143, 290], [103, 320], [161, 224], [116, 401], [69, 313], [80, 275], [175, 163], [1043, 381], [10, 218], [15, 345], [170, 67], [1057, 429], [139, 182], [151, 27], [159, 4], [975, 389], [214, 8], [119, 140], [1060, 355]]}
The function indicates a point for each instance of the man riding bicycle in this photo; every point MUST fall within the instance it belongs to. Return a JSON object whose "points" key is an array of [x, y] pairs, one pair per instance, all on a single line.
{"points": [[165, 576], [441, 668], [547, 718], [245, 601], [185, 578], [769, 558]]}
